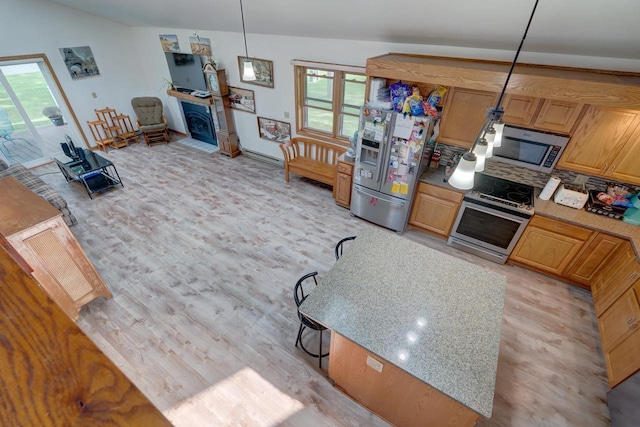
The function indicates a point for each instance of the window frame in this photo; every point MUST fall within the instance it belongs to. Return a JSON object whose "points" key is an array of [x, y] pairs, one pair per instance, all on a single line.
{"points": [[339, 74]]}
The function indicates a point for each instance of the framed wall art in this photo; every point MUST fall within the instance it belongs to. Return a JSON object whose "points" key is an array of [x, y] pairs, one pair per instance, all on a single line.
{"points": [[242, 99], [263, 69], [80, 62], [169, 43], [274, 130]]}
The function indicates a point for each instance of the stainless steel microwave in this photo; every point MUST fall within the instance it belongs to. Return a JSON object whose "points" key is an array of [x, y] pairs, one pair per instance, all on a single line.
{"points": [[530, 149]]}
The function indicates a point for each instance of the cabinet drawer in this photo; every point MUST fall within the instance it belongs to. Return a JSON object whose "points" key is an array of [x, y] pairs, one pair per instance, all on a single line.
{"points": [[560, 227], [345, 168], [440, 193]]}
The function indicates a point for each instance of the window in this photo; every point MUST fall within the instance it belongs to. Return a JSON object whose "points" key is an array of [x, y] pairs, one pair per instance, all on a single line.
{"points": [[328, 100]]}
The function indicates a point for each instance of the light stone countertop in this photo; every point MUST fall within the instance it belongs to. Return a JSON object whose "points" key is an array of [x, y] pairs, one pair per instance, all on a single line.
{"points": [[564, 213], [433, 315]]}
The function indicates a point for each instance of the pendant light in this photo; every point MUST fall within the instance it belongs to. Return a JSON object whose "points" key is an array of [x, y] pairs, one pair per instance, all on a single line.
{"points": [[248, 74], [463, 175]]}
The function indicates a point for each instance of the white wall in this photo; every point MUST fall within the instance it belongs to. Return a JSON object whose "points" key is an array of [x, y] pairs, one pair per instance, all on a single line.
{"points": [[32, 26], [273, 103], [132, 63]]}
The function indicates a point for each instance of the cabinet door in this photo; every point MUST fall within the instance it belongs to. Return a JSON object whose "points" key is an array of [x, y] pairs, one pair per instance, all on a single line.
{"points": [[624, 272], [557, 116], [626, 165], [623, 360], [519, 109], [620, 320], [433, 214], [600, 136], [594, 259], [343, 189], [545, 250], [463, 115]]}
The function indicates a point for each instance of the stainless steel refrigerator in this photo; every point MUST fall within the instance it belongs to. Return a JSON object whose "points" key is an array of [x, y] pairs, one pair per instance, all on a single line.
{"points": [[389, 161]]}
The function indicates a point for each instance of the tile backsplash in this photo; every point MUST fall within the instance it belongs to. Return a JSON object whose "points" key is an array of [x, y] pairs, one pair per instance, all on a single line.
{"points": [[523, 175]]}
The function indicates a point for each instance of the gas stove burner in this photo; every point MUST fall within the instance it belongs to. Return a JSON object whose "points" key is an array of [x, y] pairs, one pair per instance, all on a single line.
{"points": [[519, 197]]}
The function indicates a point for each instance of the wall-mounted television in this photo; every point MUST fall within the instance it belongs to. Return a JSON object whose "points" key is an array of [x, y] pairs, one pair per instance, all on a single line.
{"points": [[186, 70]]}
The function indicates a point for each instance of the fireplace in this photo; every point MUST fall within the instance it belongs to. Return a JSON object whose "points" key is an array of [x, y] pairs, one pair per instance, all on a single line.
{"points": [[199, 122]]}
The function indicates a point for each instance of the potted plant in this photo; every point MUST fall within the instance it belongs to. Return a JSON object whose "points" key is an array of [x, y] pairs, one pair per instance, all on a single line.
{"points": [[54, 114]]}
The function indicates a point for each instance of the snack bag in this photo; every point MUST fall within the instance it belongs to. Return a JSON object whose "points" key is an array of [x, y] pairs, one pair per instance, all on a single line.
{"points": [[413, 104], [430, 104], [399, 92]]}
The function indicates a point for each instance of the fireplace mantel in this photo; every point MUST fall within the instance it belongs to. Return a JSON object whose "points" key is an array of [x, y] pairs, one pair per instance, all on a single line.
{"points": [[190, 98]]}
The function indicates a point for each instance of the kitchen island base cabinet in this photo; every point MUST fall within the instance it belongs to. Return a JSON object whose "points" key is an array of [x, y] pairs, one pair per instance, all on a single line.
{"points": [[392, 393]]}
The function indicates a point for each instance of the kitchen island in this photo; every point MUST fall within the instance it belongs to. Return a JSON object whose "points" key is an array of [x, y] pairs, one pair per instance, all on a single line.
{"points": [[415, 332]]}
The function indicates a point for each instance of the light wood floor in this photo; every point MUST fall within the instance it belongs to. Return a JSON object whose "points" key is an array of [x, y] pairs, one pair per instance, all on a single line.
{"points": [[201, 253]]}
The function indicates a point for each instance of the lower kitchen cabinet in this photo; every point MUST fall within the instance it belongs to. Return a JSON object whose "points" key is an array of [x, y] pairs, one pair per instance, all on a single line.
{"points": [[549, 245], [594, 259], [435, 209], [622, 272], [620, 334], [342, 187]]}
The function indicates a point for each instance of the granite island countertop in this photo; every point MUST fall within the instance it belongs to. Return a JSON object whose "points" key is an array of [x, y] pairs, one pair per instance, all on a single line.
{"points": [[435, 316], [564, 213]]}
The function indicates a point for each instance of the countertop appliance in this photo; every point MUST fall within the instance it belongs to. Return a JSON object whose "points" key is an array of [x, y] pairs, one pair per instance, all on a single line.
{"points": [[571, 196], [530, 149], [623, 402], [389, 161], [492, 217]]}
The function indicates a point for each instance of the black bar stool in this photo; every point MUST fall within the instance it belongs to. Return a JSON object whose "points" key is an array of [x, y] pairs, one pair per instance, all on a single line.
{"points": [[340, 246], [300, 295]]}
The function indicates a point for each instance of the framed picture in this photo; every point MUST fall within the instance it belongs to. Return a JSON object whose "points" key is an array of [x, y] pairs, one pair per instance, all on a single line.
{"points": [[263, 69], [169, 42], [80, 62], [242, 99], [200, 45], [274, 130]]}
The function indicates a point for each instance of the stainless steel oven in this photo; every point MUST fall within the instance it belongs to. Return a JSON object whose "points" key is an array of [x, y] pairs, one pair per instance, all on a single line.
{"points": [[492, 217]]}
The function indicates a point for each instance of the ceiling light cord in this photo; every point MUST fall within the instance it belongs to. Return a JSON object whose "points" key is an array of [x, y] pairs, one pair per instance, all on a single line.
{"points": [[244, 33], [474, 160], [515, 59]]}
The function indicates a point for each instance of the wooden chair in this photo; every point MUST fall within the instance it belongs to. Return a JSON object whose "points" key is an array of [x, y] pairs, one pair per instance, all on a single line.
{"points": [[299, 296]]}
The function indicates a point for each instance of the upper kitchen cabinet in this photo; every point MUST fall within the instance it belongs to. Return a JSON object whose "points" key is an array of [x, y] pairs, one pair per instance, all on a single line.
{"points": [[463, 115], [626, 166], [557, 116], [544, 114], [519, 110], [604, 143]]}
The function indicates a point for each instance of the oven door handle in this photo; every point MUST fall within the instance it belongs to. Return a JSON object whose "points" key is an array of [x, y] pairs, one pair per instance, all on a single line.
{"points": [[492, 212]]}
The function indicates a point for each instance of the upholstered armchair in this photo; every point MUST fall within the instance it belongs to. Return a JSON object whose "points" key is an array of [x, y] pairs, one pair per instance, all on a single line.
{"points": [[150, 120]]}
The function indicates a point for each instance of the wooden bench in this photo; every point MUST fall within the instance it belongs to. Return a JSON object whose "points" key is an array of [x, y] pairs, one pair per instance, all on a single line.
{"points": [[316, 160]]}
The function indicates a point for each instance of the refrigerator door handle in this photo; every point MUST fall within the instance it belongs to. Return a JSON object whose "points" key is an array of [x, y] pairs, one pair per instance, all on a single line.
{"points": [[391, 202]]}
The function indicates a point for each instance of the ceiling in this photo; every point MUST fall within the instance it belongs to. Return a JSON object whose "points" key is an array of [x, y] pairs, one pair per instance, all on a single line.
{"points": [[576, 27]]}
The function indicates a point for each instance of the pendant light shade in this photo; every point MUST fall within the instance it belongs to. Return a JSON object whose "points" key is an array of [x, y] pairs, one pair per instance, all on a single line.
{"points": [[462, 177], [499, 127], [490, 136], [480, 151], [248, 73]]}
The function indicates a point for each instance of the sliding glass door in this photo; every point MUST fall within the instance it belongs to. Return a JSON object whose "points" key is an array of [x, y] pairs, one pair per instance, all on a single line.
{"points": [[33, 117]]}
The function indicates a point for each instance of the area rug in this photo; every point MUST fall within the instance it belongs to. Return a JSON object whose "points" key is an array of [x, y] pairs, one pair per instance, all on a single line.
{"points": [[198, 145]]}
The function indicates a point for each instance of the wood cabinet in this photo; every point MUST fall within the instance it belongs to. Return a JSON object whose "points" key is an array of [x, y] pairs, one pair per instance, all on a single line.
{"points": [[543, 114], [435, 209], [626, 165], [620, 275], [594, 258], [390, 392], [342, 187], [36, 230], [463, 115], [599, 143], [620, 334], [519, 110], [557, 116], [549, 245]]}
